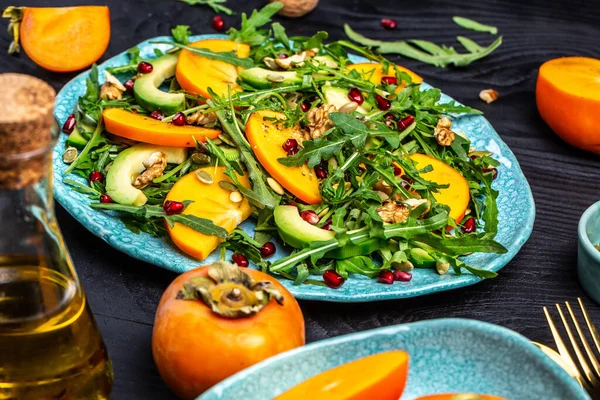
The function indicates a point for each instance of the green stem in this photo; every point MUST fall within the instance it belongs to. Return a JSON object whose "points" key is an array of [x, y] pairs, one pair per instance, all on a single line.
{"points": [[91, 143]]}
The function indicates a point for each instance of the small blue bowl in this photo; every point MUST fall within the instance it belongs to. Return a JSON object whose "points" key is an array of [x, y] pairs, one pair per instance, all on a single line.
{"points": [[588, 257]]}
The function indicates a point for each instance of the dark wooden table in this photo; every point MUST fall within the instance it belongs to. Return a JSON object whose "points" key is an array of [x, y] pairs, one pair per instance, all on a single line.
{"points": [[124, 292]]}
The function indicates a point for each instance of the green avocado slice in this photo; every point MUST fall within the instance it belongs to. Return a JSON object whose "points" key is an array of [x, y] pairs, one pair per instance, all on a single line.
{"points": [[295, 231], [339, 96], [146, 88], [262, 78]]}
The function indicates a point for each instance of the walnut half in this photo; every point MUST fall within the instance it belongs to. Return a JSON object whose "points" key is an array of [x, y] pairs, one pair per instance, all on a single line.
{"points": [[112, 89], [319, 121], [393, 213], [443, 132], [155, 165]]}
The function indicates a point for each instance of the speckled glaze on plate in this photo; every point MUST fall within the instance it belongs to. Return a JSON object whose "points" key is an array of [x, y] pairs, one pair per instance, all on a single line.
{"points": [[446, 355], [515, 205]]}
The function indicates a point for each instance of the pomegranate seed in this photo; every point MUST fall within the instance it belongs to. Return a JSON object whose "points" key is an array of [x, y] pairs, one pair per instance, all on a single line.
{"points": [[240, 260], [389, 80], [305, 106], [469, 226], [96, 176], [389, 116], [135, 111], [310, 216], [144, 67], [327, 227], [129, 85], [397, 170], [386, 276], [69, 124], [494, 170], [321, 172], [382, 103], [406, 122], [474, 157], [356, 96], [282, 56], [218, 24], [293, 151], [290, 144], [332, 279], [105, 199], [389, 23], [267, 249], [157, 115], [179, 119], [173, 207], [402, 276]]}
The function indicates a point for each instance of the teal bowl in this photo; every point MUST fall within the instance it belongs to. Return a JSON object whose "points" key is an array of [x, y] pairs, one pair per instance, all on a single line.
{"points": [[588, 257]]}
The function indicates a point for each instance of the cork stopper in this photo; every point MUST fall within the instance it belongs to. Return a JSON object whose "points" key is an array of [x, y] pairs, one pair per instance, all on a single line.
{"points": [[26, 130]]}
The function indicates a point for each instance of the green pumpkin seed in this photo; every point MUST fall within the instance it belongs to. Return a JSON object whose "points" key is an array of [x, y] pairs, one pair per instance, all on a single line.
{"points": [[228, 186], [70, 155], [204, 177]]}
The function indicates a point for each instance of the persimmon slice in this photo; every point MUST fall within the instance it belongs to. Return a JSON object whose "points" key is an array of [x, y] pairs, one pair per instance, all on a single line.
{"points": [[267, 136], [196, 73], [65, 39], [149, 130], [381, 376], [374, 72]]}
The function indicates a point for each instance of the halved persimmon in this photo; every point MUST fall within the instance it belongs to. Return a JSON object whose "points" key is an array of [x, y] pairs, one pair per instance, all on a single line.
{"points": [[374, 73], [568, 99], [196, 73], [266, 134], [149, 130], [457, 195], [210, 201], [381, 376]]}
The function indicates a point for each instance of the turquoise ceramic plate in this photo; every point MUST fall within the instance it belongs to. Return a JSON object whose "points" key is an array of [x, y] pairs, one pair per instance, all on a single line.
{"points": [[515, 204], [446, 355]]}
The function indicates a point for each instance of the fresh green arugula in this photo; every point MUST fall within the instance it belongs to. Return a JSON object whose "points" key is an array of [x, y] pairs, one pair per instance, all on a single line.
{"points": [[229, 57], [474, 25], [218, 6]]}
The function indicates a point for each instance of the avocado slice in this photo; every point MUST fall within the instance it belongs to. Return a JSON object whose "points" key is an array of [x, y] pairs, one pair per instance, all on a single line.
{"points": [[327, 61], [295, 231], [339, 96], [129, 164], [420, 258], [146, 89], [76, 139], [262, 78]]}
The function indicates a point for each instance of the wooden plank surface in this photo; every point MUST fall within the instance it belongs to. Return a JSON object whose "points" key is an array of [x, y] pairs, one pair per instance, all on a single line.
{"points": [[124, 292]]}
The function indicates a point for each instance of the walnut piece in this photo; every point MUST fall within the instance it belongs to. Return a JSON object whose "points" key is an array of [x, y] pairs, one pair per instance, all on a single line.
{"points": [[198, 118], [443, 132], [488, 95], [112, 89], [155, 165], [393, 213], [319, 121]]}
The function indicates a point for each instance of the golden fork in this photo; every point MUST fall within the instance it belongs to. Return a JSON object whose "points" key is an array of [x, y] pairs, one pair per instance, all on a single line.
{"points": [[588, 378]]}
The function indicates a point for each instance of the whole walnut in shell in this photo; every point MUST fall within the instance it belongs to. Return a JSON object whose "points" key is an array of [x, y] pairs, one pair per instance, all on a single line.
{"points": [[296, 8]]}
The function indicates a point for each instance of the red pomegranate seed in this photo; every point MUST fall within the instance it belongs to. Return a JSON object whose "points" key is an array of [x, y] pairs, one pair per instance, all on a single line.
{"points": [[327, 227], [135, 111], [310, 216], [494, 170], [397, 170], [356, 96], [157, 115], [382, 103], [173, 207], [96, 176], [469, 226], [402, 276], [129, 85], [386, 276], [389, 23], [240, 260], [406, 122], [267, 249], [290, 144], [144, 67], [305, 106], [293, 151], [282, 56], [332, 279], [389, 80], [69, 124], [474, 157], [105, 199], [321, 172], [218, 24], [179, 119]]}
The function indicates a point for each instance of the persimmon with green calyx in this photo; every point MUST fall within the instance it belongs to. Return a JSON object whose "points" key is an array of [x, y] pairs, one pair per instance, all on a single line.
{"points": [[210, 201], [216, 320], [456, 195], [267, 134], [60, 39], [149, 130], [196, 74], [460, 396], [380, 376]]}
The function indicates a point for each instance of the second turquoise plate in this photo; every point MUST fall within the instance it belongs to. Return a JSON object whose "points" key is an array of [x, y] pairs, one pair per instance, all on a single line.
{"points": [[515, 205]]}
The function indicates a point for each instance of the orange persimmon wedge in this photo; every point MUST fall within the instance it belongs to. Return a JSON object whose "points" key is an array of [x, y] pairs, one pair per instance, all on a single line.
{"points": [[381, 376], [65, 39], [460, 396], [267, 138], [149, 130], [374, 72], [196, 73], [568, 99], [210, 201], [457, 195]]}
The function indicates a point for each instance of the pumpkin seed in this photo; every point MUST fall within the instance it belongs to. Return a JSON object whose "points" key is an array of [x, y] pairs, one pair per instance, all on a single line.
{"points": [[228, 186], [275, 78], [348, 107], [235, 197], [227, 140], [322, 213], [204, 177], [70, 155], [270, 63], [275, 186], [200, 158]]}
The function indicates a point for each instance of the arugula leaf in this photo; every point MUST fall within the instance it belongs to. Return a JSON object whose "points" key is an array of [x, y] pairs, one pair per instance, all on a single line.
{"points": [[316, 41], [468, 44], [131, 67], [280, 35], [249, 32], [216, 5], [461, 245], [474, 25], [415, 227], [357, 265], [181, 34], [229, 57]]}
